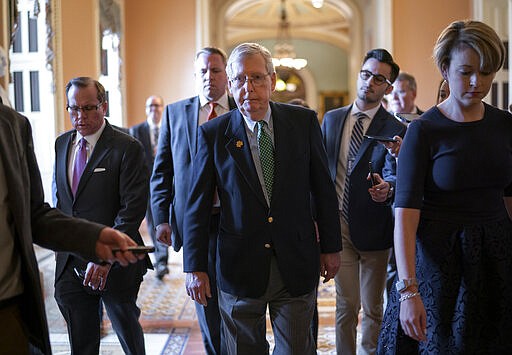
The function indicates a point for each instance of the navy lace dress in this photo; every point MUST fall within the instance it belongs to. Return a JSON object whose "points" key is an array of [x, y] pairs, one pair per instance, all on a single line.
{"points": [[457, 175]]}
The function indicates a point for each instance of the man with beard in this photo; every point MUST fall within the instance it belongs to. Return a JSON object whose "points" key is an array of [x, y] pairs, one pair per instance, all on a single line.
{"points": [[365, 207]]}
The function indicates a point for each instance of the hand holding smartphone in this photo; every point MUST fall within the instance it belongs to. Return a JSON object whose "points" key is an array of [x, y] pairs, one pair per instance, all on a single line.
{"points": [[372, 178], [139, 249]]}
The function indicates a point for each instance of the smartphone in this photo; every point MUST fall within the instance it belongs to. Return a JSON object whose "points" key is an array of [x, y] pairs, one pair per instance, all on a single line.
{"points": [[381, 138], [139, 249], [372, 178]]}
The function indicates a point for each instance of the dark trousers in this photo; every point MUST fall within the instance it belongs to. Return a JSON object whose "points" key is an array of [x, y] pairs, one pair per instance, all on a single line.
{"points": [[209, 317], [79, 305]]}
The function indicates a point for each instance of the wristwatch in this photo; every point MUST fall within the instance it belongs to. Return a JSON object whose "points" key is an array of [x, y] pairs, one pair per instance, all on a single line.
{"points": [[403, 284]]}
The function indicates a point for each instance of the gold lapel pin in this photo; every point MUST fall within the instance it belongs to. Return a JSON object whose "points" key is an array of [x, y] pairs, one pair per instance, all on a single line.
{"points": [[239, 144]]}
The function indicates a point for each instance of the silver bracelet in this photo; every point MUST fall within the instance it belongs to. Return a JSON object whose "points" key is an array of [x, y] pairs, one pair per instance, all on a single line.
{"points": [[408, 295]]}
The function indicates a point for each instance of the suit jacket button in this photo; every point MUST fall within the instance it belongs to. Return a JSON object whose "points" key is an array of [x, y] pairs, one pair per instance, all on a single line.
{"points": [[270, 219], [268, 246]]}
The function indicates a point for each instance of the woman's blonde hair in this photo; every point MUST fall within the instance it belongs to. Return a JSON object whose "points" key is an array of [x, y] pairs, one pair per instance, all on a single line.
{"points": [[476, 35]]}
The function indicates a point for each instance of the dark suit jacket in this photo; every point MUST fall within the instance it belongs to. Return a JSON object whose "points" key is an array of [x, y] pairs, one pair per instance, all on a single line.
{"points": [[250, 232], [34, 220], [172, 171], [113, 190], [371, 223], [143, 134]]}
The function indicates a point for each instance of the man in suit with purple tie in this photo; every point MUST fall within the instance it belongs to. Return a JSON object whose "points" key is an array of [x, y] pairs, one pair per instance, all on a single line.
{"points": [[112, 189], [147, 133]]}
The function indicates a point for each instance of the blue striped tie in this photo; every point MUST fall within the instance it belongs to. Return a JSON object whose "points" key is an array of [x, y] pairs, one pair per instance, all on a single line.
{"points": [[266, 157], [355, 142]]}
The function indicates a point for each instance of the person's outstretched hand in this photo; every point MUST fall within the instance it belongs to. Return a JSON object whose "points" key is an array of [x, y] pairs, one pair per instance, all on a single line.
{"points": [[111, 238]]}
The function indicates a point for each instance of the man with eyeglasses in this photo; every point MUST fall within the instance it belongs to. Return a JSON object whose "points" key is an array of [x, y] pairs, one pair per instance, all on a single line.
{"points": [[100, 175], [364, 207], [267, 162], [147, 133], [172, 174]]}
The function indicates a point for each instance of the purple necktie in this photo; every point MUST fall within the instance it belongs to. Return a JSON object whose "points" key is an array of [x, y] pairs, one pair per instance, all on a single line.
{"points": [[79, 165]]}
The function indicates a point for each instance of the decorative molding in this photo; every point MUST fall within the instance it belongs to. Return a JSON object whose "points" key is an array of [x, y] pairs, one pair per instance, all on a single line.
{"points": [[57, 67]]}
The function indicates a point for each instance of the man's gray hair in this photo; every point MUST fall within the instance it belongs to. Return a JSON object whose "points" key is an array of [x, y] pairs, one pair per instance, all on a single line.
{"points": [[403, 76], [245, 50]]}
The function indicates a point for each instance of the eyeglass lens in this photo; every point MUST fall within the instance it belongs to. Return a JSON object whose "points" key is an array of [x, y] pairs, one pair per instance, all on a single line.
{"points": [[378, 78], [256, 80], [86, 108]]}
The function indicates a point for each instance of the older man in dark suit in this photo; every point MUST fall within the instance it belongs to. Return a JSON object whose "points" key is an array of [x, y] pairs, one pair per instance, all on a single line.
{"points": [[268, 164], [100, 175], [172, 173], [25, 219], [147, 133], [365, 209]]}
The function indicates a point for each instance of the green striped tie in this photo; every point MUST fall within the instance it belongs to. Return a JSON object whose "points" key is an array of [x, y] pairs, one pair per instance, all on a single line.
{"points": [[266, 157]]}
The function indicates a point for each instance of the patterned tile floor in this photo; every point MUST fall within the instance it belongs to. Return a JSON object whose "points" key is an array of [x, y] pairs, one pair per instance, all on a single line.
{"points": [[168, 315]]}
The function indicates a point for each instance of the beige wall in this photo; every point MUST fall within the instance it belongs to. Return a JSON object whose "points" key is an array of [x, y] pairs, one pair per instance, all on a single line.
{"points": [[158, 44], [160, 48], [416, 26], [80, 43]]}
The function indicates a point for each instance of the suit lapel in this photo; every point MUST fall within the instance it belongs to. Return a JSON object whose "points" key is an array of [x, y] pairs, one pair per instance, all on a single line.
{"points": [[231, 103], [238, 147], [282, 146], [11, 150], [192, 121], [103, 146], [63, 152], [145, 135], [337, 131]]}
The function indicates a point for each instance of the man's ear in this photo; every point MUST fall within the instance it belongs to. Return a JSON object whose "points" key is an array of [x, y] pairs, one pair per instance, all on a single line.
{"points": [[273, 80], [104, 106]]}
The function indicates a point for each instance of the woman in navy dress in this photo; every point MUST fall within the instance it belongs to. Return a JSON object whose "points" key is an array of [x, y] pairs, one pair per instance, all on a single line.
{"points": [[453, 232]]}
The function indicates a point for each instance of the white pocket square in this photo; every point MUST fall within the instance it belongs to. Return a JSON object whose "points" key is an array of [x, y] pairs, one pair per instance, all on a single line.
{"points": [[99, 170]]}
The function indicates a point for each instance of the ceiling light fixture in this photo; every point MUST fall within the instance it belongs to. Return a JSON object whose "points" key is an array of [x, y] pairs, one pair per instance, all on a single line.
{"points": [[284, 53], [317, 4]]}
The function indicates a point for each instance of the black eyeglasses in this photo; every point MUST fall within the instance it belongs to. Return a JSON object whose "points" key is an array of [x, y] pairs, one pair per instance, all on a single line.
{"points": [[377, 78], [255, 80], [73, 110]]}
